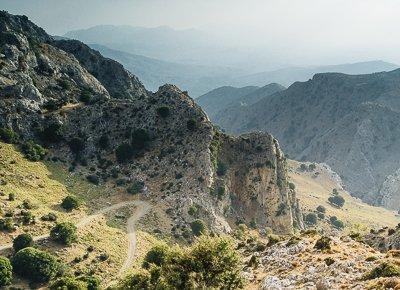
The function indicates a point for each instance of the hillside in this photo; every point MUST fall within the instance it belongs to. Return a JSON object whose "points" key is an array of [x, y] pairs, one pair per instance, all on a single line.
{"points": [[346, 121], [108, 141], [231, 98], [314, 186]]}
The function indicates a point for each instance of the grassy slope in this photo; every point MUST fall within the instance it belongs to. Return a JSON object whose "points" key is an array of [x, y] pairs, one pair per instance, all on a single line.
{"points": [[45, 185], [313, 191]]}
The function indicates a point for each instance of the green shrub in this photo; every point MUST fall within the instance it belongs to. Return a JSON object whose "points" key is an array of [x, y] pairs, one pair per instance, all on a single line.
{"points": [[11, 196], [321, 208], [193, 210], [86, 96], [52, 105], [281, 209], [93, 178], [329, 261], [8, 136], [386, 269], [77, 145], [155, 256], [52, 133], [198, 227], [64, 233], [33, 151], [323, 243], [35, 265], [163, 111], [337, 200], [68, 283], [104, 142], [311, 218], [136, 187], [50, 217], [337, 223], [292, 186], [273, 239], [221, 168], [5, 272], [93, 283], [124, 153], [22, 241], [211, 263], [140, 138], [191, 124], [69, 203], [6, 224]]}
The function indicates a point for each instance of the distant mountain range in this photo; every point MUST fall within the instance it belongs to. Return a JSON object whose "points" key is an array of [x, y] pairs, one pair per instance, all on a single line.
{"points": [[198, 62], [350, 122]]}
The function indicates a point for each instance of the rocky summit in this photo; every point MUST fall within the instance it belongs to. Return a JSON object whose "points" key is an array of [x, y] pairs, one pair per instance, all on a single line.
{"points": [[92, 113]]}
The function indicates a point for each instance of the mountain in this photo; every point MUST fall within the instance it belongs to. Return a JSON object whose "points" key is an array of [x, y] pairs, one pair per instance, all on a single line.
{"points": [[288, 76], [73, 117], [346, 121], [218, 98], [196, 79]]}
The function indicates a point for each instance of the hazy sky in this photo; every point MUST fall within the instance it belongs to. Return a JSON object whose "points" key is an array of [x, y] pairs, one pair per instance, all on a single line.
{"points": [[306, 31]]}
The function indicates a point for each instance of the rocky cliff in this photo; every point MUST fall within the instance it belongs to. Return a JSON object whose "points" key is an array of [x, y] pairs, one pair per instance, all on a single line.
{"points": [[96, 116], [346, 121]]}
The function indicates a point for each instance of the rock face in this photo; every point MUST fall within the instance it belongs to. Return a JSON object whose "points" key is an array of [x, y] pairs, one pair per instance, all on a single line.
{"points": [[346, 121], [91, 112]]}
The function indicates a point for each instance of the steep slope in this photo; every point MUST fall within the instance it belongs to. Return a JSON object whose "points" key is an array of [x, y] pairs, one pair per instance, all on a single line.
{"points": [[229, 99], [346, 121], [162, 145]]}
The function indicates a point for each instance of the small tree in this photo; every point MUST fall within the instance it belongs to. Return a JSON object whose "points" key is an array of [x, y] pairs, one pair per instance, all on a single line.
{"points": [[337, 200], [22, 241], [35, 265], [311, 218], [124, 153], [64, 233], [198, 227], [32, 151], [68, 283], [69, 203], [163, 111], [155, 256], [5, 272], [8, 136]]}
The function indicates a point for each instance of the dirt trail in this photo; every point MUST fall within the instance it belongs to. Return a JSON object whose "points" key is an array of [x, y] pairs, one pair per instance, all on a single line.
{"points": [[141, 210]]}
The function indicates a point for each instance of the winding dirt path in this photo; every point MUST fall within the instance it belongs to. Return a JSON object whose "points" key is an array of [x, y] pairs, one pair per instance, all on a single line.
{"points": [[141, 210]]}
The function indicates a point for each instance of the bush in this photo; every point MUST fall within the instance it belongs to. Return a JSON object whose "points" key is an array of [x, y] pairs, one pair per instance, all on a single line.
{"points": [[6, 224], [86, 96], [69, 203], [124, 153], [337, 223], [52, 133], [329, 261], [292, 186], [32, 151], [8, 136], [312, 167], [22, 241], [52, 105], [50, 217], [5, 272], [337, 200], [64, 233], [136, 187], [191, 124], [140, 138], [155, 256], [104, 142], [221, 168], [311, 218], [321, 208], [211, 263], [92, 178], [35, 265], [385, 269], [77, 145], [198, 227], [163, 111], [193, 210], [68, 283], [323, 243]]}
